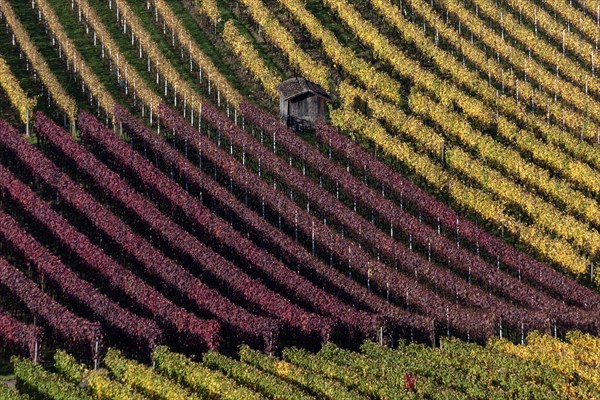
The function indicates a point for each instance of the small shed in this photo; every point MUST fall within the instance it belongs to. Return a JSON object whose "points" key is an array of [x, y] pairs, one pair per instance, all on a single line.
{"points": [[301, 102]]}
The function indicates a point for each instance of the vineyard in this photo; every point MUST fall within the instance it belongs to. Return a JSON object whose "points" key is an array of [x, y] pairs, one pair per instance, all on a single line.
{"points": [[165, 234]]}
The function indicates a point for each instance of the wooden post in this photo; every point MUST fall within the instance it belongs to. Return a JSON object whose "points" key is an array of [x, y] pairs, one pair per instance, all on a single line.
{"points": [[35, 353], [429, 250], [522, 333], [500, 328], [96, 355], [27, 122], [387, 291], [447, 321], [313, 237]]}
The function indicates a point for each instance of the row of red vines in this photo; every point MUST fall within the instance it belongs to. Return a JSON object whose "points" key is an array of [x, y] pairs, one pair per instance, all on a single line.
{"points": [[75, 332], [19, 337], [209, 264], [272, 269], [198, 333], [228, 240], [400, 288], [126, 326], [456, 257], [440, 278], [530, 270], [188, 329], [293, 254]]}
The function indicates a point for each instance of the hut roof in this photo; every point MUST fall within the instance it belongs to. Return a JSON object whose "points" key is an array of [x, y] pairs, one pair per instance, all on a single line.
{"points": [[297, 86]]}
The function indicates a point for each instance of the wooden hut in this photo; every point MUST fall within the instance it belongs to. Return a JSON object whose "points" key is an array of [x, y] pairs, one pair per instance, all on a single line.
{"points": [[301, 102]]}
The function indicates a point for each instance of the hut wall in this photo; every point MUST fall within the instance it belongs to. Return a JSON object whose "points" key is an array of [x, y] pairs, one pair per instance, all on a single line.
{"points": [[302, 111], [304, 107], [283, 108]]}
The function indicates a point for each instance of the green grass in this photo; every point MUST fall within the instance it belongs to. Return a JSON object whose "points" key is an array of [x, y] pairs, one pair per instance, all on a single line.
{"points": [[91, 54], [203, 41], [155, 32], [169, 52], [124, 43], [39, 38], [245, 27], [223, 59], [17, 65]]}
